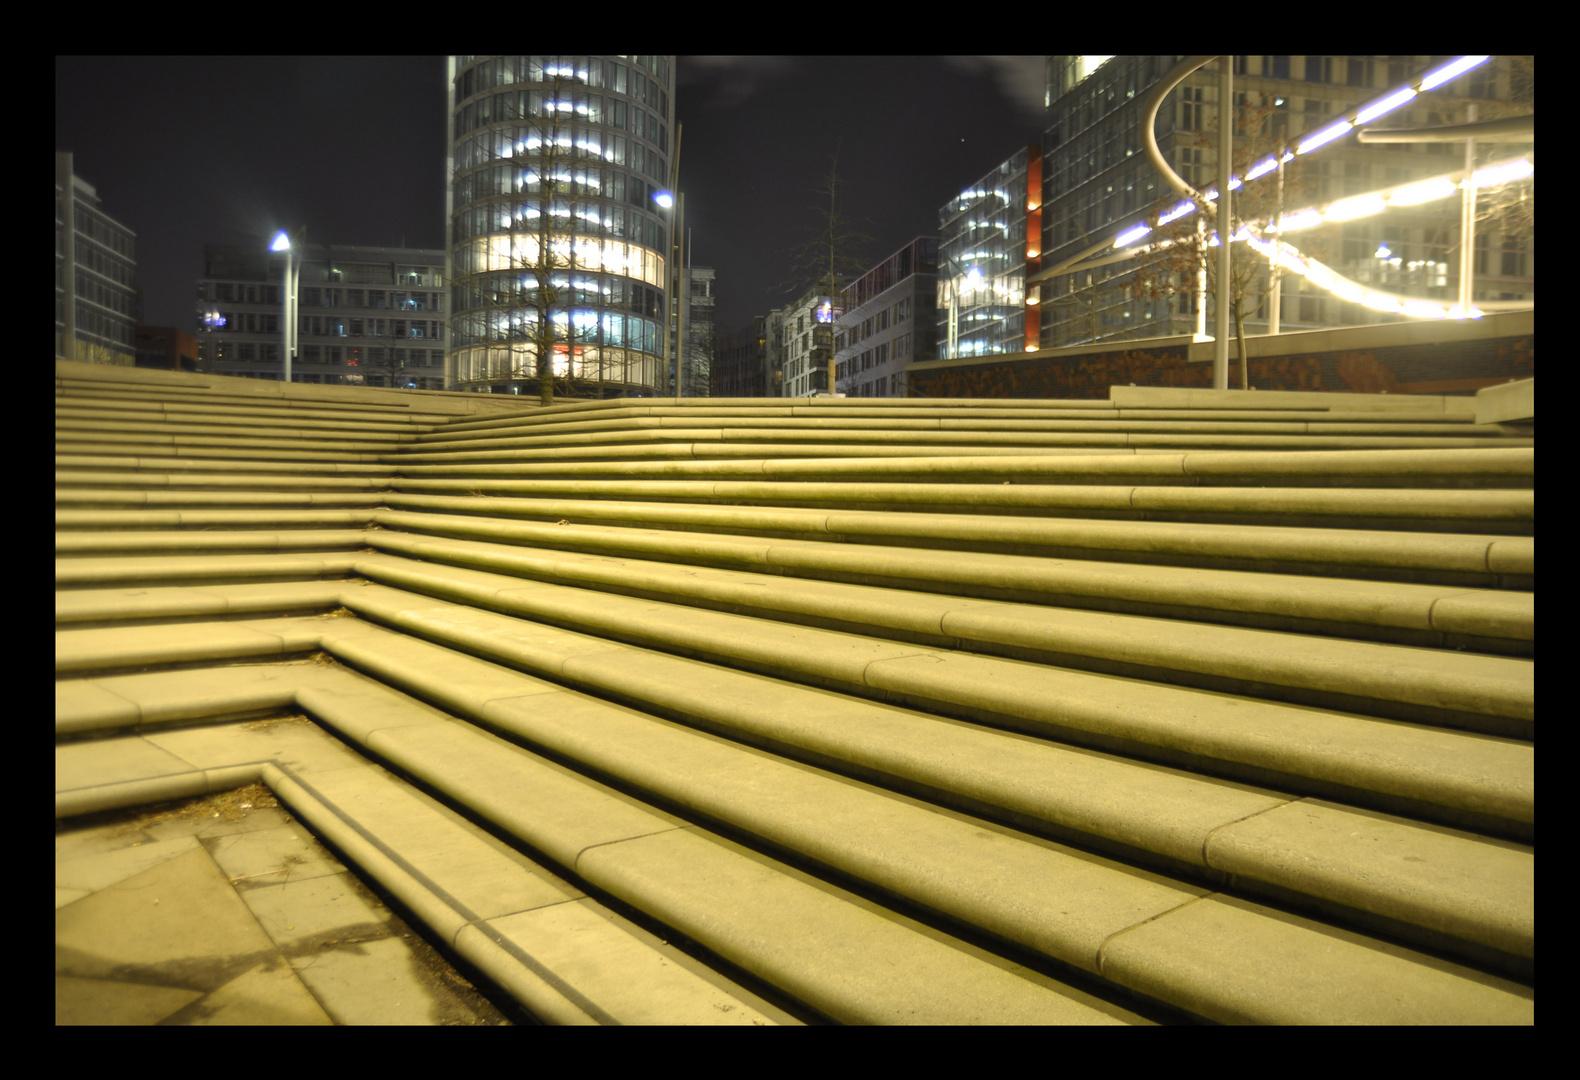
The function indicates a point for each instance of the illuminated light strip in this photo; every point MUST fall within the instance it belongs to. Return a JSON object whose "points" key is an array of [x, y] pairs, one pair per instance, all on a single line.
{"points": [[1325, 136], [1503, 173], [1357, 207], [1411, 194], [1362, 115], [1125, 239], [1262, 167], [1300, 219], [1387, 104], [1424, 191], [1450, 71], [1281, 254]]}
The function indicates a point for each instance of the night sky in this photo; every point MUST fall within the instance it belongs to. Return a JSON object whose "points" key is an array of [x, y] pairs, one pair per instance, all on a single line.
{"points": [[193, 150]]}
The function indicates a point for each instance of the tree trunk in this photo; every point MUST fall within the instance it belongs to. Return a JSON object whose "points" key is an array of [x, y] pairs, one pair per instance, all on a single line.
{"points": [[1239, 334]]}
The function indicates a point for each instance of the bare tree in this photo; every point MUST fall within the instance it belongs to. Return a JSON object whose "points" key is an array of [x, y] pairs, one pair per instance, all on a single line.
{"points": [[833, 249], [1180, 250], [388, 363], [832, 254], [1509, 209]]}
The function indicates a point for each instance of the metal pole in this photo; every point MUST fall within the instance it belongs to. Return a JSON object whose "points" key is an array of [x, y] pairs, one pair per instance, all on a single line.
{"points": [[670, 273], [1201, 277], [1220, 351], [1276, 293], [1467, 225], [669, 291], [680, 289], [296, 288], [285, 315]]}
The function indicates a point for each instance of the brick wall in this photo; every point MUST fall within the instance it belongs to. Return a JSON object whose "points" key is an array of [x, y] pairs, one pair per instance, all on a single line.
{"points": [[1438, 368]]}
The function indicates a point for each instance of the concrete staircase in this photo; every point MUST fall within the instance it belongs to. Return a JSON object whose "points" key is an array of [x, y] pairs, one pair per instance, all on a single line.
{"points": [[1180, 706]]}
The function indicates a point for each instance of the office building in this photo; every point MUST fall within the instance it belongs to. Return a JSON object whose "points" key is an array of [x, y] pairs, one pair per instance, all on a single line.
{"points": [[803, 344], [1098, 183], [887, 322], [697, 320], [367, 316], [983, 260], [740, 361], [166, 348], [557, 240], [95, 265]]}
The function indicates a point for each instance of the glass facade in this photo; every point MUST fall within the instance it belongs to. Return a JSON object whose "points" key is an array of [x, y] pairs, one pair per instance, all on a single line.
{"points": [[1098, 183], [556, 246], [982, 265]]}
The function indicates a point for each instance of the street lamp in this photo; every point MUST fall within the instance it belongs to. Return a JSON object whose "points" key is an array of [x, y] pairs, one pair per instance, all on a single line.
{"points": [[288, 300], [674, 277]]}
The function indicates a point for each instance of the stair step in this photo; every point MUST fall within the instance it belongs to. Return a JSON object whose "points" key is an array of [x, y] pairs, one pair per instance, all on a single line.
{"points": [[1490, 694], [1182, 705], [850, 961], [99, 542], [895, 846], [1500, 468], [1503, 512], [1459, 777], [1445, 558], [1407, 613]]}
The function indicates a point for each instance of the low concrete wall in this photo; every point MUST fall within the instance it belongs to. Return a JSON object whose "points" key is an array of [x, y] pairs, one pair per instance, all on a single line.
{"points": [[426, 401], [1394, 358], [1509, 403]]}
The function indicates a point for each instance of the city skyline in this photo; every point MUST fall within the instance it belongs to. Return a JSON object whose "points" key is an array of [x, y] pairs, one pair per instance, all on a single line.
{"points": [[193, 150]]}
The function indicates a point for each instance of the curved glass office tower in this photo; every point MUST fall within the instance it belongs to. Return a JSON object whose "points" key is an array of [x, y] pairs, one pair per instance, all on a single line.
{"points": [[556, 245]]}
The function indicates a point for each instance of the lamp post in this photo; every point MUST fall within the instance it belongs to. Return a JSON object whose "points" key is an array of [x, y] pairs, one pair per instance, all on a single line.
{"points": [[288, 300], [674, 277]]}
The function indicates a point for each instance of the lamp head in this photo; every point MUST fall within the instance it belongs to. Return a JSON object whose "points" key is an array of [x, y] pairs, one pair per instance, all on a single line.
{"points": [[281, 242]]}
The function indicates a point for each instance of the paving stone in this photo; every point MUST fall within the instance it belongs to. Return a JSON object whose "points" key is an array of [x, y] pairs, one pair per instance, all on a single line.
{"points": [[179, 918], [265, 856], [269, 995], [378, 982], [105, 1002], [92, 872], [315, 909]]}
